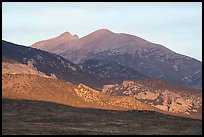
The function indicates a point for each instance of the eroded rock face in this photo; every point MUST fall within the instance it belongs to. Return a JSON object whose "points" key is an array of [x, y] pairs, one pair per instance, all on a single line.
{"points": [[172, 98], [17, 68], [106, 88]]}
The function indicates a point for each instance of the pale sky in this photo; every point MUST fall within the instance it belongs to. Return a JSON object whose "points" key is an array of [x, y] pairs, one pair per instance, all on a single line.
{"points": [[175, 25]]}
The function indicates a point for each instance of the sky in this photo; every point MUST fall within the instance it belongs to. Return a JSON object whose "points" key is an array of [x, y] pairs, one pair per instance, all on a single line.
{"points": [[175, 25]]}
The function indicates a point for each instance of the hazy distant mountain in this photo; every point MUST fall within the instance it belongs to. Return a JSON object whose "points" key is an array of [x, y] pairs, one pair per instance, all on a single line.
{"points": [[113, 72], [147, 58], [50, 64]]}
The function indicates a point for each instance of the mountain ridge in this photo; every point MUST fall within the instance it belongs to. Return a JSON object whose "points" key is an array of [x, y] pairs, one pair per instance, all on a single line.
{"points": [[50, 64]]}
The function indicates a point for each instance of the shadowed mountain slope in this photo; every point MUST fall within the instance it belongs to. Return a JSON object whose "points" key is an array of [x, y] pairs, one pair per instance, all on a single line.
{"points": [[114, 72], [50, 64]]}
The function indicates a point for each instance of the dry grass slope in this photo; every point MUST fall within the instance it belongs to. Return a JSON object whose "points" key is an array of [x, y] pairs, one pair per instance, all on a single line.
{"points": [[32, 87]]}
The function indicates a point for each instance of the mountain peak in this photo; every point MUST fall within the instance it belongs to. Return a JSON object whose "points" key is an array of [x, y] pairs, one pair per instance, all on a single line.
{"points": [[58, 43], [75, 36], [65, 34], [102, 31]]}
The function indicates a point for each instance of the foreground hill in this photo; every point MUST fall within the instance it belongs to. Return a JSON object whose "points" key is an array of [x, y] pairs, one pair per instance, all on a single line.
{"points": [[32, 87], [21, 117], [150, 59]]}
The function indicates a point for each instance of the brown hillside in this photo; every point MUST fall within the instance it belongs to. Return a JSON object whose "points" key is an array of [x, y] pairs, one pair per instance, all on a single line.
{"points": [[31, 87]]}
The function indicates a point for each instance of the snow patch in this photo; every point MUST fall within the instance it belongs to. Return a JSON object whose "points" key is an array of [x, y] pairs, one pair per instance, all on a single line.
{"points": [[175, 67], [71, 67], [196, 72], [53, 76]]}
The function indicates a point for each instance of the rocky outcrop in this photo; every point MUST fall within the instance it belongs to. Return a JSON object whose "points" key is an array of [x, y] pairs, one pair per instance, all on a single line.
{"points": [[160, 94]]}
